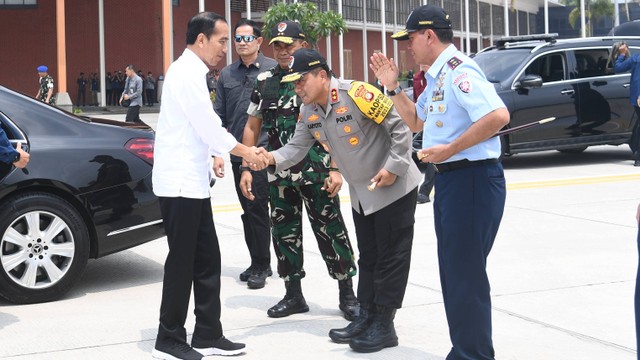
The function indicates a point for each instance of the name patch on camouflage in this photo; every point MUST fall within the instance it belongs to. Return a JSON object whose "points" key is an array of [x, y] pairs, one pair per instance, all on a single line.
{"points": [[371, 102]]}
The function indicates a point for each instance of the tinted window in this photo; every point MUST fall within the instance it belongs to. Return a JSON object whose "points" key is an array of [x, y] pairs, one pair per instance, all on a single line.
{"points": [[592, 62], [550, 67], [500, 65]]}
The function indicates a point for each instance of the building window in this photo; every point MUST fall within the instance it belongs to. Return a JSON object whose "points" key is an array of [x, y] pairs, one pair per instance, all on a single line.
{"points": [[16, 3], [175, 2]]}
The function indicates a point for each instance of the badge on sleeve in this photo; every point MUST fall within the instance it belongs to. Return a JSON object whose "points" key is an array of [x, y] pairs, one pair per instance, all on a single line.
{"points": [[370, 101], [465, 86]]}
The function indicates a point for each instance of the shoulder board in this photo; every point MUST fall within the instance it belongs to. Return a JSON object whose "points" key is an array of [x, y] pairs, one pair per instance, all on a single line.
{"points": [[370, 101], [454, 62]]}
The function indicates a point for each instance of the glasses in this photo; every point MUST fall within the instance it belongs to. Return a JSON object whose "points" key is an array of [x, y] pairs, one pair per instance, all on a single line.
{"points": [[246, 38]]}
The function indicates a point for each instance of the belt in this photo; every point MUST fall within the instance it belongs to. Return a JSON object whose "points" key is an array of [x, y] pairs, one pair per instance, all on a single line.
{"points": [[461, 164]]}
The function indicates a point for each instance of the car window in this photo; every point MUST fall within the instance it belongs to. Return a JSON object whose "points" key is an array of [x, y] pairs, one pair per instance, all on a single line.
{"points": [[591, 62], [550, 67], [501, 64]]}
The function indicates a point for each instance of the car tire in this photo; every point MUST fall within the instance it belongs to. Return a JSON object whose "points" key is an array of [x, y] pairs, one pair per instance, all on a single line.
{"points": [[40, 262], [575, 150]]}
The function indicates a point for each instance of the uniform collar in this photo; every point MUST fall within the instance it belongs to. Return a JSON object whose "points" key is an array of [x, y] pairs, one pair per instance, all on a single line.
{"points": [[257, 63], [442, 59]]}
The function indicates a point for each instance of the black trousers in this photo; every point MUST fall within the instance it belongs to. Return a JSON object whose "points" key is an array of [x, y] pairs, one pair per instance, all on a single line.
{"points": [[193, 259], [255, 217], [385, 239], [634, 142], [429, 180], [151, 96], [133, 114]]}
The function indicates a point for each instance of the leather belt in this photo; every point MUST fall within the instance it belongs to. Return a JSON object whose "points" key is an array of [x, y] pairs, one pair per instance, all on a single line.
{"points": [[461, 164]]}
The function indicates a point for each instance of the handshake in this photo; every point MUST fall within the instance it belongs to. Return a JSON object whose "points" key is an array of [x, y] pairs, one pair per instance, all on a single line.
{"points": [[258, 158]]}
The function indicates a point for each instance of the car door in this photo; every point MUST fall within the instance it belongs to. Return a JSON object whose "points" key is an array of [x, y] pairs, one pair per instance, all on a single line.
{"points": [[15, 135], [556, 97], [603, 97]]}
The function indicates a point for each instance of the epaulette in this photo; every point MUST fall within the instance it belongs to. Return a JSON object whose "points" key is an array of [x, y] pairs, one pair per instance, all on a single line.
{"points": [[454, 62], [370, 101]]}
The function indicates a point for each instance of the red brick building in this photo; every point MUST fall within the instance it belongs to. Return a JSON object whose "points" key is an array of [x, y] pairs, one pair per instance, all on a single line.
{"points": [[133, 34]]}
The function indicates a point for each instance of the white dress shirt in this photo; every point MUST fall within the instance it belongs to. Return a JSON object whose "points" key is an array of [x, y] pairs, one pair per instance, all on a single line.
{"points": [[188, 132]]}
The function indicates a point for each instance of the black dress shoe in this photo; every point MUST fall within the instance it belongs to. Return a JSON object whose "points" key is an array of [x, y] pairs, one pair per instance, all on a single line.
{"points": [[422, 198], [245, 275], [288, 306], [258, 279]]}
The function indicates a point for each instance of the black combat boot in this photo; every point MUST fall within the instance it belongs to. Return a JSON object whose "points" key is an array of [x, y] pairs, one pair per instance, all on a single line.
{"points": [[293, 302], [348, 302], [357, 326], [379, 335]]}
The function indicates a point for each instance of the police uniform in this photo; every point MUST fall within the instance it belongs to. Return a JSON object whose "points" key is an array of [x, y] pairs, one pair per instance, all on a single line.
{"points": [[469, 199], [357, 130], [46, 83], [278, 106]]}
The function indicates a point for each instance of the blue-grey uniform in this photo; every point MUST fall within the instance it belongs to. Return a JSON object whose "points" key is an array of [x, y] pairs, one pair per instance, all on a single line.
{"points": [[363, 134], [469, 199]]}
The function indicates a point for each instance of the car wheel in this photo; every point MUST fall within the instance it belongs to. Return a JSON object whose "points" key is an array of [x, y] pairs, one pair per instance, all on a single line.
{"points": [[575, 150], [43, 250]]}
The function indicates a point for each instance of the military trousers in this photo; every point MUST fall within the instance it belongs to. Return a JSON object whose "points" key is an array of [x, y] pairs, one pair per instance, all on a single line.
{"points": [[385, 239], [327, 224], [467, 209]]}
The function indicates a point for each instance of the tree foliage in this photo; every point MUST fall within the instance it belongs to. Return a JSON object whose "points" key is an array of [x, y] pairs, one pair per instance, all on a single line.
{"points": [[315, 24], [594, 11]]}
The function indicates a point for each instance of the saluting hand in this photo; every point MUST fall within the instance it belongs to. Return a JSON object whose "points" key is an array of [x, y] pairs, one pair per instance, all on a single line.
{"points": [[385, 69]]}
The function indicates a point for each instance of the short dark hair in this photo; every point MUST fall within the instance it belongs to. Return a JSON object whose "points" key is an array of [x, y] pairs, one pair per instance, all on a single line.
{"points": [[444, 35], [256, 30], [131, 67], [202, 23]]}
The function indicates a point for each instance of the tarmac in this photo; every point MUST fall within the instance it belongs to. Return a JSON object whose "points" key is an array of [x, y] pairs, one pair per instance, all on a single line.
{"points": [[562, 272]]}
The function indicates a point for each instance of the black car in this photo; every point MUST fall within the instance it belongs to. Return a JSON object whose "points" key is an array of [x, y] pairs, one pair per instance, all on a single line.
{"points": [[86, 193], [539, 76]]}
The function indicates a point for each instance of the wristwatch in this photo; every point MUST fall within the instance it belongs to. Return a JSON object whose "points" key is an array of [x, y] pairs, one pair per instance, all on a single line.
{"points": [[394, 92], [244, 168]]}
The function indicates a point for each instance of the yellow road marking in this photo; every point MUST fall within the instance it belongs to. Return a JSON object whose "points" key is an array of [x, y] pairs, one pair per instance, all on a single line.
{"points": [[223, 208]]}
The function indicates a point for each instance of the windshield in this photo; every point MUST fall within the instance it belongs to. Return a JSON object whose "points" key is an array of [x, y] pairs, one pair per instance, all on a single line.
{"points": [[498, 65]]}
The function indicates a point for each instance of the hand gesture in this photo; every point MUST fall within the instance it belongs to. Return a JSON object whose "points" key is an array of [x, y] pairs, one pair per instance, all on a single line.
{"points": [[24, 157], [257, 159], [245, 185], [385, 69], [435, 154], [333, 183]]}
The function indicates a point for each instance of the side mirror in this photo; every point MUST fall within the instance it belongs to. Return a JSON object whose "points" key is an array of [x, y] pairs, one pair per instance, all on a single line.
{"points": [[529, 81]]}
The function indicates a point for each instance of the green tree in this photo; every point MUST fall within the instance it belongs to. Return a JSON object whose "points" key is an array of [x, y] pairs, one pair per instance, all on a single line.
{"points": [[315, 24], [594, 11]]}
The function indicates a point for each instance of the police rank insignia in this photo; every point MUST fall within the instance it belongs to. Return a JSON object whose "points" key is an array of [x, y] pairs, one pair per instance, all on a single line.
{"points": [[313, 117], [334, 95], [370, 101], [342, 110], [454, 62]]}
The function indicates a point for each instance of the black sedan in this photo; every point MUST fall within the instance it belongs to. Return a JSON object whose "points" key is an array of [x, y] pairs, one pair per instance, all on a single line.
{"points": [[86, 193]]}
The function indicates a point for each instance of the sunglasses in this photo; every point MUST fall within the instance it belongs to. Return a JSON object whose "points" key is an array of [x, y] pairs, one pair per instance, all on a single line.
{"points": [[246, 38]]}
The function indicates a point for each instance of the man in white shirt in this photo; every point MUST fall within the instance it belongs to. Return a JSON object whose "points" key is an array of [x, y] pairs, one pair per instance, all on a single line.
{"points": [[189, 133]]}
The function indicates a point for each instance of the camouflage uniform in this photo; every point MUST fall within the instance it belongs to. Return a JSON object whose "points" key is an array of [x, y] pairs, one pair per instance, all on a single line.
{"points": [[278, 107], [46, 83]]}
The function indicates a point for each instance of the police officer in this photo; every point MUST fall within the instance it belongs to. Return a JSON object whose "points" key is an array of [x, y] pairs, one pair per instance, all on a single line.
{"points": [[371, 145], [460, 111], [45, 91], [274, 108]]}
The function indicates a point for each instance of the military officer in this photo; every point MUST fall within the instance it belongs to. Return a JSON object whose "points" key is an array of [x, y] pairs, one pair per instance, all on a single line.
{"points": [[371, 145], [460, 112], [45, 91], [274, 108]]}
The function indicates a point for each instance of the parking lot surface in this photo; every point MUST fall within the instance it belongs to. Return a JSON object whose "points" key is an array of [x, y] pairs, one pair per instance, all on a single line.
{"points": [[562, 272]]}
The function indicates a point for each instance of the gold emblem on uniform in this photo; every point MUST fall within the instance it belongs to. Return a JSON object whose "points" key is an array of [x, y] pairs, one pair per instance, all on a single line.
{"points": [[317, 134], [441, 108], [439, 123], [347, 129], [354, 141]]}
